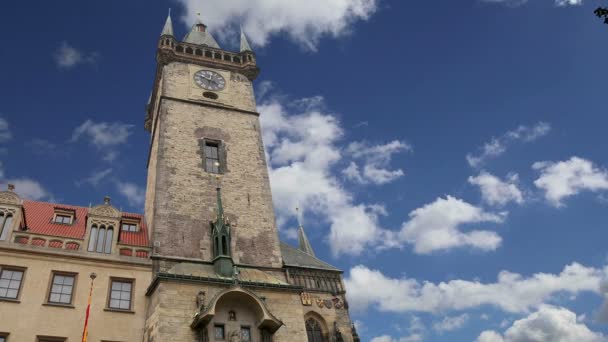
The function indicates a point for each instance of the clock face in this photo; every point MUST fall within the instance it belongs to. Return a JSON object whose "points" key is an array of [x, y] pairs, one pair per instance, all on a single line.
{"points": [[209, 80]]}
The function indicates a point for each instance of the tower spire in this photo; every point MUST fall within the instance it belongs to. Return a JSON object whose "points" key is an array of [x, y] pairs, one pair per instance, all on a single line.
{"points": [[304, 244], [168, 28], [244, 42]]}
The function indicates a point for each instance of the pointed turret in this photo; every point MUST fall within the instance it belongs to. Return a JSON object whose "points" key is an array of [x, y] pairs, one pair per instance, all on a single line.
{"points": [[244, 42], [303, 243], [199, 36], [168, 28]]}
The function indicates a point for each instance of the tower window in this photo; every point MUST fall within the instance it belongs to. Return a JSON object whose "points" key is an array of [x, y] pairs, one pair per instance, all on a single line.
{"points": [[219, 332], [212, 157], [245, 334]]}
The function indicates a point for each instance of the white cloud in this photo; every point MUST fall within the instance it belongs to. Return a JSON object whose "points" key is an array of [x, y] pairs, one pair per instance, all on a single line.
{"points": [[305, 22], [495, 191], [30, 189], [567, 178], [103, 134], [95, 178], [5, 133], [302, 149], [451, 323], [436, 226], [511, 292], [410, 338], [376, 159], [562, 3], [550, 324], [498, 146], [515, 3], [67, 56], [134, 193]]}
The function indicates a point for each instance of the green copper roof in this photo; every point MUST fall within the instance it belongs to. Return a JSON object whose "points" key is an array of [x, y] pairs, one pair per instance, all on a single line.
{"points": [[303, 242], [296, 258], [168, 28], [244, 42], [200, 36]]}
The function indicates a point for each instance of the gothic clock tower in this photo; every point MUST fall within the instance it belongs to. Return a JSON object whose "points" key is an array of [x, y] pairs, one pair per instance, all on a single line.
{"points": [[220, 271]]}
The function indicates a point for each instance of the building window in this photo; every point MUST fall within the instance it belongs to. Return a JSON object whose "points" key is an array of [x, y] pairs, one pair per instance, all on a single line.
{"points": [[101, 239], [10, 283], [313, 330], [62, 288], [3, 337], [245, 334], [129, 227], [6, 223], [120, 294], [50, 339], [63, 219], [212, 157], [219, 332]]}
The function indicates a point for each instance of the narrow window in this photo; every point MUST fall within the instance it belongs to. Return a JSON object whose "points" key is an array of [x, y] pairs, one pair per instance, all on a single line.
{"points": [[212, 157], [245, 334], [62, 289], [219, 332], [108, 245], [313, 330], [10, 283], [6, 226], [224, 246], [120, 294], [101, 237], [93, 238]]}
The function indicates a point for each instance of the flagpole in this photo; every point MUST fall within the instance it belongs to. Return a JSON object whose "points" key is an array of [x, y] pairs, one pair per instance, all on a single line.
{"points": [[85, 332]]}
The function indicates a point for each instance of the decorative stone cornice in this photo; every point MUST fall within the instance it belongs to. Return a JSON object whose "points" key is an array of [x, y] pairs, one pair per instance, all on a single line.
{"points": [[105, 210], [9, 197]]}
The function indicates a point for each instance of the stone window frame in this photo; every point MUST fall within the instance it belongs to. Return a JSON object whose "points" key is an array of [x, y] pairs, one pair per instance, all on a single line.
{"points": [[52, 282], [42, 338], [19, 290], [222, 155], [223, 326], [5, 230], [130, 222], [131, 299], [246, 327], [4, 336], [59, 212], [106, 227]]}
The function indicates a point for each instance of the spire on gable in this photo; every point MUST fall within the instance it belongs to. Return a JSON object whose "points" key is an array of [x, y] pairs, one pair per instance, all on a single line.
{"points": [[244, 42], [303, 243], [168, 28]]}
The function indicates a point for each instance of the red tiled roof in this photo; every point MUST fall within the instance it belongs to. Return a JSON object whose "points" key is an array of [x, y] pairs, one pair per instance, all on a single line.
{"points": [[39, 220]]}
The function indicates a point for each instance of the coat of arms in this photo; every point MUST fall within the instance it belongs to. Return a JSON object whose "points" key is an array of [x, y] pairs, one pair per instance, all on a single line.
{"points": [[306, 300]]}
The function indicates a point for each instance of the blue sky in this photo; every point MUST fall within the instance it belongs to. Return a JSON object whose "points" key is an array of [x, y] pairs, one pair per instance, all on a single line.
{"points": [[369, 109]]}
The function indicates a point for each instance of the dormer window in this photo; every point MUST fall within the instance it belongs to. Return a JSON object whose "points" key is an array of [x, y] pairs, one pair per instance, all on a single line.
{"points": [[63, 219], [64, 216], [129, 225]]}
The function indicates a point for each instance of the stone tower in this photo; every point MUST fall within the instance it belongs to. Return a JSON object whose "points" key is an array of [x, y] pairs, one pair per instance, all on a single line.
{"points": [[220, 271]]}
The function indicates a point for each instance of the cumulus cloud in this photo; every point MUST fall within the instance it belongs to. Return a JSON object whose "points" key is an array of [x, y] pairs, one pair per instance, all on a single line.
{"points": [[549, 323], [451, 323], [511, 292], [302, 144], [67, 56], [104, 135], [495, 191], [498, 146], [375, 159], [133, 193], [305, 22], [567, 178], [515, 3], [437, 226], [30, 189], [387, 338]]}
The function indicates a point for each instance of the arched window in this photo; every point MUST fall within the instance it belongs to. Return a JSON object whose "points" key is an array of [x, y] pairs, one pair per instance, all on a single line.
{"points": [[101, 239], [313, 330], [7, 224], [224, 246]]}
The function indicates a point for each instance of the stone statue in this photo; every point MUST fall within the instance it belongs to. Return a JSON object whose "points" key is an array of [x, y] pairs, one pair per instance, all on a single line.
{"points": [[200, 300], [234, 336]]}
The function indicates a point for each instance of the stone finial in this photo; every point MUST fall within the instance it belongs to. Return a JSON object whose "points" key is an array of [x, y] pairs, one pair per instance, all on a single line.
{"points": [[11, 187], [106, 200]]}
